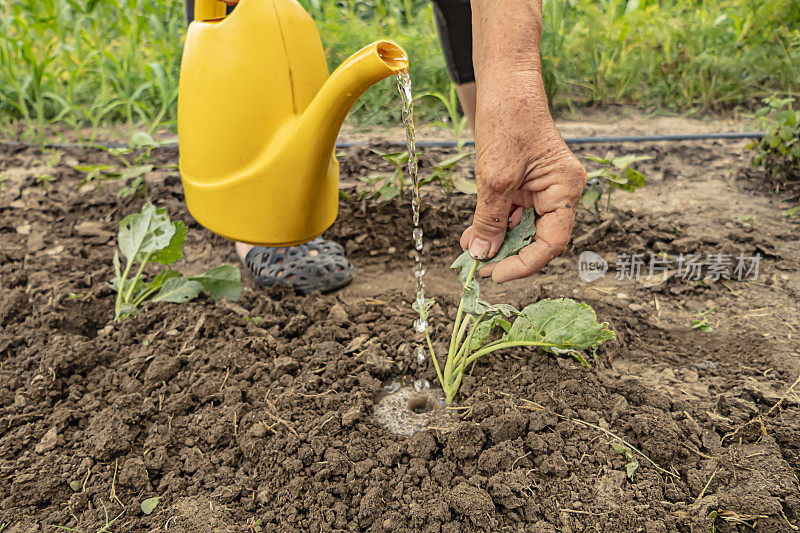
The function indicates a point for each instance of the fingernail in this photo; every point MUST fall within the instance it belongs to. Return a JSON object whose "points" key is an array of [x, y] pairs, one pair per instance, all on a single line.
{"points": [[479, 249]]}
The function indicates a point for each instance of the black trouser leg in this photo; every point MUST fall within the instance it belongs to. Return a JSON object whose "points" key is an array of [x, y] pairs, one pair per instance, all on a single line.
{"points": [[189, 7], [454, 19]]}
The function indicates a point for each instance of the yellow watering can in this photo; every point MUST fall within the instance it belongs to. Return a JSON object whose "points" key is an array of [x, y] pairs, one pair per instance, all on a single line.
{"points": [[258, 118]]}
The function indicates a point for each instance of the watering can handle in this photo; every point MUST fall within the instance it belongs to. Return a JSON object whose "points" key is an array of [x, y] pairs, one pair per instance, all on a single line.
{"points": [[209, 9]]}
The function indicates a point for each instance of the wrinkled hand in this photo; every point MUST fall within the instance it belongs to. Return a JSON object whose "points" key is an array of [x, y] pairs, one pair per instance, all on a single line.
{"points": [[522, 162]]}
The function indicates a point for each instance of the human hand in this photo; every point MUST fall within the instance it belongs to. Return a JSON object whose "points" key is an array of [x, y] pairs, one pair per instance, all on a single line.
{"points": [[522, 162]]}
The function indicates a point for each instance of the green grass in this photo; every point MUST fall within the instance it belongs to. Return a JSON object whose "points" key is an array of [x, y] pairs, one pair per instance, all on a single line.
{"points": [[81, 65]]}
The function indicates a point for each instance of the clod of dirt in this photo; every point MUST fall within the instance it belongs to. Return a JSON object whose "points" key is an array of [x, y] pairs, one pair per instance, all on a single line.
{"points": [[507, 426], [14, 306], [107, 434], [199, 515], [474, 503], [465, 441]]}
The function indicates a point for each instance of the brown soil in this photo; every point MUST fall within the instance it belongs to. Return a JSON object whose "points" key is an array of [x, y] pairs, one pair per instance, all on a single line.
{"points": [[258, 415]]}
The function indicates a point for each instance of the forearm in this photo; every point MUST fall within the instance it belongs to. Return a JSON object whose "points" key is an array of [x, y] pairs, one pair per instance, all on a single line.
{"points": [[507, 35]]}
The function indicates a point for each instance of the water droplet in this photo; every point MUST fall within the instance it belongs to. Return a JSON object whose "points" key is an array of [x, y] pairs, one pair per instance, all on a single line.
{"points": [[421, 385]]}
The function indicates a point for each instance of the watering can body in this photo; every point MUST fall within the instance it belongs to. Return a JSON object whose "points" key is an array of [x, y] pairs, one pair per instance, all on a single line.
{"points": [[258, 118]]}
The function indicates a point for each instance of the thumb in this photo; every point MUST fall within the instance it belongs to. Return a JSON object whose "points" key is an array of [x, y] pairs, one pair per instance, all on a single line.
{"points": [[495, 194]]}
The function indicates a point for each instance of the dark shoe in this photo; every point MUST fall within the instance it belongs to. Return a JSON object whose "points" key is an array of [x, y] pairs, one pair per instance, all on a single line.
{"points": [[326, 271]]}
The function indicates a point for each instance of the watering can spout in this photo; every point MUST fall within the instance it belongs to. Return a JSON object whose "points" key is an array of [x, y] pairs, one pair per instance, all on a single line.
{"points": [[323, 118], [258, 118]]}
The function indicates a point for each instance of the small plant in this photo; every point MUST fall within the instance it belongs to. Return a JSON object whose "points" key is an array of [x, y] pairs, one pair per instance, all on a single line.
{"points": [[560, 326], [701, 320], [150, 237], [455, 122], [444, 174], [778, 152], [149, 505], [791, 213], [133, 172], [387, 187], [633, 464], [45, 179], [615, 173]]}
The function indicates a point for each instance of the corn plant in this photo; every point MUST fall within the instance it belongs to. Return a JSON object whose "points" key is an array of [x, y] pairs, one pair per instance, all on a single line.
{"points": [[615, 173], [383, 186], [455, 122], [444, 174], [559, 326], [150, 237], [778, 152]]}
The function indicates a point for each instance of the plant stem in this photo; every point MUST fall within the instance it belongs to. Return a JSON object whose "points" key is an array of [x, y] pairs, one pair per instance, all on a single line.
{"points": [[502, 345], [120, 289], [137, 276], [433, 356], [457, 329]]}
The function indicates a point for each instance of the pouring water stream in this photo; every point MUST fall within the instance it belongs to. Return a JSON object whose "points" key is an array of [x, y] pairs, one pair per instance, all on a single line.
{"points": [[420, 303]]}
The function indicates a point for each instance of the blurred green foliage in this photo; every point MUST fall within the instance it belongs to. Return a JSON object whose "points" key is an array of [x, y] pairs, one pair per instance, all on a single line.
{"points": [[79, 64], [778, 152]]}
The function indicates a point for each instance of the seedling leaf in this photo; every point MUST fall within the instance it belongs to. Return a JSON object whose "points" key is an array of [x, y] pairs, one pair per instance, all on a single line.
{"points": [[484, 329], [224, 281], [451, 162], [160, 279], [144, 233], [178, 290], [631, 467], [516, 239], [150, 504], [568, 326], [621, 449], [174, 250], [623, 162], [464, 185], [590, 198], [141, 138]]}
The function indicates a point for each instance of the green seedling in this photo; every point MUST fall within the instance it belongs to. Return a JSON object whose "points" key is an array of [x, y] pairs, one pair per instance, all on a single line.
{"points": [[149, 505], [132, 172], [45, 179], [444, 174], [387, 187], [701, 322], [52, 158], [455, 122], [150, 237], [712, 516], [633, 464], [560, 326], [104, 529], [615, 173], [747, 221], [791, 213], [94, 173], [3, 180], [778, 152]]}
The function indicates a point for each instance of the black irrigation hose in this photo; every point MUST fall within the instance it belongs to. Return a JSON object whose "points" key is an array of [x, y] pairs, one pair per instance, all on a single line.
{"points": [[453, 144]]}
